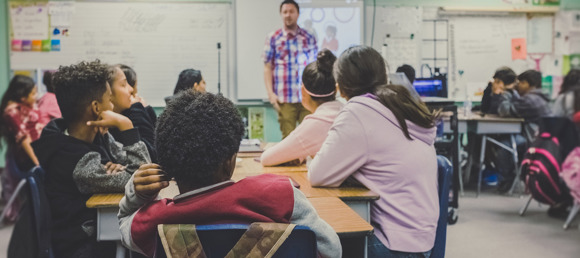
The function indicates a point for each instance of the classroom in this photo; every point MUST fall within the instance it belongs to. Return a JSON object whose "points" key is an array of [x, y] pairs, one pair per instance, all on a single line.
{"points": [[301, 128]]}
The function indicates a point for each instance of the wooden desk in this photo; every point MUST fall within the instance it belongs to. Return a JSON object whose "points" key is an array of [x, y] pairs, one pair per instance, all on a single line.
{"points": [[345, 221], [357, 198], [340, 217], [346, 209], [248, 167]]}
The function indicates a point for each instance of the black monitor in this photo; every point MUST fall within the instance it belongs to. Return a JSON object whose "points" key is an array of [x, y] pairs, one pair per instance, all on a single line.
{"points": [[431, 87]]}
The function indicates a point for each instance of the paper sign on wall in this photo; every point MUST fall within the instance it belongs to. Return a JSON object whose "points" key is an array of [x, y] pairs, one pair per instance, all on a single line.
{"points": [[61, 13], [519, 50], [29, 22]]}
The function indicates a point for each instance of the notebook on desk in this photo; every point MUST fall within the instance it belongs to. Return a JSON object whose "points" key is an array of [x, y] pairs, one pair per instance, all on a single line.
{"points": [[250, 145]]}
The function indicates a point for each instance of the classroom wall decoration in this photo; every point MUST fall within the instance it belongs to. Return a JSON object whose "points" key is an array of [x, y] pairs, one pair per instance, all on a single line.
{"points": [[158, 40]]}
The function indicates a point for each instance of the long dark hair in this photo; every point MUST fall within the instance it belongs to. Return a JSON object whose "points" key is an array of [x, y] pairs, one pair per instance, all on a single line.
{"points": [[20, 87], [571, 83], [317, 77], [130, 74], [47, 81], [361, 69], [187, 78], [571, 80]]}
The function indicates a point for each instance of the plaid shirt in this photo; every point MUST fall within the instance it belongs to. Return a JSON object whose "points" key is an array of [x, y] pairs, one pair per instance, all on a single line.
{"points": [[289, 54]]}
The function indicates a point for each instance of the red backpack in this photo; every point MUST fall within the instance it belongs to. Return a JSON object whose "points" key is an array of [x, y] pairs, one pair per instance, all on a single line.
{"points": [[541, 170]]}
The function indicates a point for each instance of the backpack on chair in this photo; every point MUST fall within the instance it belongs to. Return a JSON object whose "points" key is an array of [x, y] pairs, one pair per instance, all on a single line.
{"points": [[571, 173], [540, 170]]}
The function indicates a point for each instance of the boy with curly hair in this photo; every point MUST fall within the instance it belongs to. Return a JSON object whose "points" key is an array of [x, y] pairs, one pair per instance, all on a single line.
{"points": [[81, 158], [197, 139]]}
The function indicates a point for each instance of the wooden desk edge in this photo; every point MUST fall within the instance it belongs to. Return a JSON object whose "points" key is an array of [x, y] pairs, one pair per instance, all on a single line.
{"points": [[371, 197], [356, 234], [104, 200]]}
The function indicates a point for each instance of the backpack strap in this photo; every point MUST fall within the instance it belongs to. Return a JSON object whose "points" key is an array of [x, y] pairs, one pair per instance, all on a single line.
{"points": [[261, 240], [180, 240]]}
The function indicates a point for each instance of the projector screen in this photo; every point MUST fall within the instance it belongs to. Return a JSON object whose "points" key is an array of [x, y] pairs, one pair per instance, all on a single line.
{"points": [[336, 27]]}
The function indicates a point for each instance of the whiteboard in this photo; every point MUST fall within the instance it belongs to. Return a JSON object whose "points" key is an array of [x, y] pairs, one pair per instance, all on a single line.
{"points": [[399, 23], [251, 32], [158, 40], [480, 45]]}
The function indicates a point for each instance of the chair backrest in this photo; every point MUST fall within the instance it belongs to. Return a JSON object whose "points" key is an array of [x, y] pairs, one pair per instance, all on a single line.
{"points": [[41, 211], [33, 226], [562, 128], [218, 240], [444, 171]]}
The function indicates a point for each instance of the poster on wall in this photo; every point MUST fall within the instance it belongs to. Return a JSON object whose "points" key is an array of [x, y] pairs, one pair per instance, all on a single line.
{"points": [[29, 21]]}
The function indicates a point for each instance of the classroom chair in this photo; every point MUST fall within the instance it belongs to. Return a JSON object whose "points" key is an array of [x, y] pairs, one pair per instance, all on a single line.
{"points": [[31, 233], [571, 215], [218, 240], [445, 172]]}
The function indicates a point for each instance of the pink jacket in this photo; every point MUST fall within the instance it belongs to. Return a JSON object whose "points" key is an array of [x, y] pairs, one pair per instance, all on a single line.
{"points": [[306, 139], [365, 142], [48, 108]]}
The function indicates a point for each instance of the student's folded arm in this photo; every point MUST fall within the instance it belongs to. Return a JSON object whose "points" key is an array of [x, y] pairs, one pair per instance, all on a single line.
{"points": [[506, 105], [91, 176], [343, 152], [531, 106], [495, 100], [304, 214], [142, 121], [128, 207], [289, 149], [129, 150]]}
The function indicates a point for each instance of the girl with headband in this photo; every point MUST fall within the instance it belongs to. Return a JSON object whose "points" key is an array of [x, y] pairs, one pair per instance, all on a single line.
{"points": [[318, 96]]}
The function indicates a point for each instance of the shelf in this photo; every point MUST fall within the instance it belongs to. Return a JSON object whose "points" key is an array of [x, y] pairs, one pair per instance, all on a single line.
{"points": [[515, 9]]}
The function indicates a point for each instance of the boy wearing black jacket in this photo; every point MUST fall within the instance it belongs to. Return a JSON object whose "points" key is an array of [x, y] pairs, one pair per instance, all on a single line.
{"points": [[81, 158]]}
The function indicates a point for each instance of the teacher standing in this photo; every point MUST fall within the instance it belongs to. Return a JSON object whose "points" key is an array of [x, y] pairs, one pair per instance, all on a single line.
{"points": [[286, 53]]}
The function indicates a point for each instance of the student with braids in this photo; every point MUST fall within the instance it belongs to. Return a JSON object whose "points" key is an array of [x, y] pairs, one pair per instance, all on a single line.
{"points": [[318, 96], [383, 138]]}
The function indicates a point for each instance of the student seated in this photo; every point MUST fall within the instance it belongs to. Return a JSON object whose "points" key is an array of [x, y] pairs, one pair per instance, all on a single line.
{"points": [[318, 97], [47, 103], [188, 79], [384, 138], [527, 101], [503, 79], [80, 158], [126, 103], [565, 104], [408, 70], [131, 76], [20, 124], [198, 137]]}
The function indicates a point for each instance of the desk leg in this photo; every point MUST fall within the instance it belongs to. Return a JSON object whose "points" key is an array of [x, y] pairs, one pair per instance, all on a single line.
{"points": [[481, 160], [457, 167], [517, 172], [366, 254], [120, 250]]}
